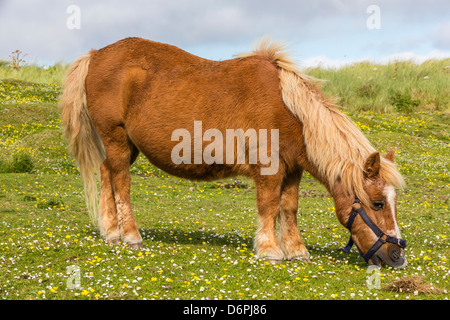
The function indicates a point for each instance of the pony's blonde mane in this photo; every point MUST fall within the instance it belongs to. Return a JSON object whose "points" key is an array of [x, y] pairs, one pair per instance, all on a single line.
{"points": [[334, 145]]}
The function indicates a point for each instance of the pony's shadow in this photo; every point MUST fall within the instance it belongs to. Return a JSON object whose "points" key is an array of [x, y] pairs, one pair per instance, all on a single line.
{"points": [[196, 237], [337, 253], [234, 239]]}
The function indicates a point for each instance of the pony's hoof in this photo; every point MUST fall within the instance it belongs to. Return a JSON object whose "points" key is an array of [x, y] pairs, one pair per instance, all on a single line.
{"points": [[113, 242], [274, 261], [271, 260], [301, 257], [137, 246]]}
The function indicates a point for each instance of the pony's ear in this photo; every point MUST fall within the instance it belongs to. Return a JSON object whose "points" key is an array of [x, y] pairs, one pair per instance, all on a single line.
{"points": [[372, 165], [390, 155]]}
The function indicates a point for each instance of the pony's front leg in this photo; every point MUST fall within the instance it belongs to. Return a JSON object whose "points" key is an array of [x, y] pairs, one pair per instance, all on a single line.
{"points": [[268, 202], [290, 241]]}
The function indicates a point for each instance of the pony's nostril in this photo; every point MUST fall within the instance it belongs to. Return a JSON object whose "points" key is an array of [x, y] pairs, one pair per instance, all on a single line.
{"points": [[394, 255]]}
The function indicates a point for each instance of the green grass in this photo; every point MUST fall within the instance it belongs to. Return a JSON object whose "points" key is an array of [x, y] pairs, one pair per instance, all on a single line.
{"points": [[26, 92], [198, 236], [19, 163], [34, 73], [400, 86]]}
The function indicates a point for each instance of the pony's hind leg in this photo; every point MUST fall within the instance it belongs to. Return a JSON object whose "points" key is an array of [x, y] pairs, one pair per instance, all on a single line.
{"points": [[108, 223], [290, 241], [268, 202], [120, 154]]}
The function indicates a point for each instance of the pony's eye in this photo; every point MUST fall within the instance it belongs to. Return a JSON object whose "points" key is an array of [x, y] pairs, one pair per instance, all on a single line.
{"points": [[377, 205]]}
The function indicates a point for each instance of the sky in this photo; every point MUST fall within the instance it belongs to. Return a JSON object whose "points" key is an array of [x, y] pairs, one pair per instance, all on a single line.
{"points": [[330, 33]]}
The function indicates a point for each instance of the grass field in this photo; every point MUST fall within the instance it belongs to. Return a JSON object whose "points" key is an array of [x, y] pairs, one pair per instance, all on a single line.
{"points": [[397, 87], [198, 236]]}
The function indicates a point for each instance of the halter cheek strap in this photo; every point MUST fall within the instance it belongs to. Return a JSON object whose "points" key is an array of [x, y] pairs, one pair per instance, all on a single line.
{"points": [[382, 237]]}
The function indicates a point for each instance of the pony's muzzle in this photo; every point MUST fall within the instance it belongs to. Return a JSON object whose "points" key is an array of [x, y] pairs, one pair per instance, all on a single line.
{"points": [[398, 257], [395, 255], [391, 255]]}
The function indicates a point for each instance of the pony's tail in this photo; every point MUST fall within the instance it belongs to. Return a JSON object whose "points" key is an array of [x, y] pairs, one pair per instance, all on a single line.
{"points": [[82, 137]]}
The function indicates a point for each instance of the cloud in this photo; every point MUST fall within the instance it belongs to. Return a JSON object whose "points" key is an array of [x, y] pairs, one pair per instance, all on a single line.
{"points": [[441, 36], [334, 28]]}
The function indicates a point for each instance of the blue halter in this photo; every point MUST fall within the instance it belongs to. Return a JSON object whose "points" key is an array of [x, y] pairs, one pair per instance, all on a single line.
{"points": [[382, 237]]}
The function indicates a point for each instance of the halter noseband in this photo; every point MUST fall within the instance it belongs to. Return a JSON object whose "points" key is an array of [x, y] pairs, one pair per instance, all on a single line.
{"points": [[382, 237]]}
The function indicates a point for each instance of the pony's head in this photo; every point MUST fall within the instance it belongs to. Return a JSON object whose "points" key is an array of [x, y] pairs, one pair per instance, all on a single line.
{"points": [[373, 222]]}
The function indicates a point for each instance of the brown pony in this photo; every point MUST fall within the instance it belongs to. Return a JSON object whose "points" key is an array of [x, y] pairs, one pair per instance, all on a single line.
{"points": [[131, 96]]}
